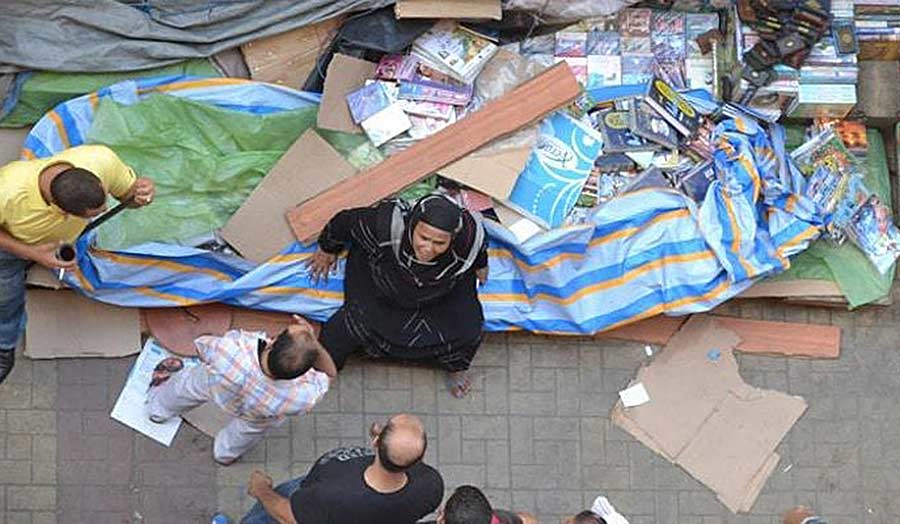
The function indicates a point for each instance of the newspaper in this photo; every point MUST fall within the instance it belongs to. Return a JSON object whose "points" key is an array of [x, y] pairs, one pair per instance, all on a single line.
{"points": [[131, 406]]}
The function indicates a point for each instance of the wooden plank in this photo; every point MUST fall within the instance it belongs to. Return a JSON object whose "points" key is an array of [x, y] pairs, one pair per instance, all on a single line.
{"points": [[793, 288], [785, 338], [288, 58], [655, 330], [527, 103]]}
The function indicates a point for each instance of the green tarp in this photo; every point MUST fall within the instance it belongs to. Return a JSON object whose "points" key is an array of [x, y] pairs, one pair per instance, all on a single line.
{"points": [[846, 265], [44, 90]]}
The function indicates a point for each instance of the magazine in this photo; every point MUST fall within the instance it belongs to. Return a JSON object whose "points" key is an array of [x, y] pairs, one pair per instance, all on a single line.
{"points": [[614, 126], [672, 106], [647, 123], [428, 91], [871, 229], [386, 124], [367, 100]]}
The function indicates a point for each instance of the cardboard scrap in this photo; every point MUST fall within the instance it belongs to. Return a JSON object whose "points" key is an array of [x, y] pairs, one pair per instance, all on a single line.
{"points": [[11, 140], [532, 100], [208, 418], [448, 9], [288, 58], [704, 418], [654, 330], [494, 173], [258, 229], [785, 338], [517, 224], [40, 276], [63, 324], [792, 288], [345, 74]]}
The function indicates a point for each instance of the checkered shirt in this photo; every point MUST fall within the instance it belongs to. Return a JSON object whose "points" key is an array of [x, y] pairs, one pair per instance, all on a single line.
{"points": [[239, 386]]}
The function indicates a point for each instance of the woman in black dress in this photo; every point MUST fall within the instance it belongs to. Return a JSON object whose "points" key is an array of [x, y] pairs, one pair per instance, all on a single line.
{"points": [[409, 285]]}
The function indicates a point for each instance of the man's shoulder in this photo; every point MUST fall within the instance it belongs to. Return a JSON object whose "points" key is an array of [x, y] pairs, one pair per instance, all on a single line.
{"points": [[345, 454], [426, 476]]}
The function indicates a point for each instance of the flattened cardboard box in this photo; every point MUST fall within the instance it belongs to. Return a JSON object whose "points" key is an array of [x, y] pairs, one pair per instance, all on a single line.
{"points": [[63, 324], [288, 58], [258, 230], [11, 141], [492, 173], [448, 9], [345, 74]]}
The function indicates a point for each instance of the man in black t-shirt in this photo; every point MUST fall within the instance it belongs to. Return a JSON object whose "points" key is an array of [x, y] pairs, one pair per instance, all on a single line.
{"points": [[386, 484]]}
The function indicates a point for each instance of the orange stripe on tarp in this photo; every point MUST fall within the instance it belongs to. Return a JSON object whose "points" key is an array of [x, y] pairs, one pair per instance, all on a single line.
{"points": [[315, 293], [164, 264], [194, 84], [60, 128]]}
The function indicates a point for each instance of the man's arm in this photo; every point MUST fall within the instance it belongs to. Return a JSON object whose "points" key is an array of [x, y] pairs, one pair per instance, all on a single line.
{"points": [[325, 364], [278, 507], [43, 254]]}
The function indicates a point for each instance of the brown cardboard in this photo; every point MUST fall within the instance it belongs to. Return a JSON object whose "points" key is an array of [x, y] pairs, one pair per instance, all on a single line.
{"points": [[345, 74], [11, 140], [792, 288], [705, 419], [785, 338], [39, 276], [176, 328], [654, 330], [288, 58], [448, 9], [208, 418], [492, 173], [63, 324], [258, 229]]}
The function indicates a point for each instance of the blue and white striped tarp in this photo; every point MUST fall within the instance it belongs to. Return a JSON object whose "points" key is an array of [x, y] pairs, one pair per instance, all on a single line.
{"points": [[648, 252]]}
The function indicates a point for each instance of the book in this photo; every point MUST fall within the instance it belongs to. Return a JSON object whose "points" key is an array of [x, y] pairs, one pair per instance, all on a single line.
{"points": [[647, 123], [386, 124], [635, 22], [667, 22], [557, 169], [429, 109], [695, 182], [571, 44], [429, 91], [637, 69], [636, 45], [672, 106], [579, 67], [388, 67], [667, 48], [366, 101], [872, 231], [605, 43], [454, 50], [617, 135], [423, 126], [604, 71]]}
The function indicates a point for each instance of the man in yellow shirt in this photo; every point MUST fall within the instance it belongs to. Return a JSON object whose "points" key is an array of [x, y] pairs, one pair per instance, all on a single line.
{"points": [[43, 204]]}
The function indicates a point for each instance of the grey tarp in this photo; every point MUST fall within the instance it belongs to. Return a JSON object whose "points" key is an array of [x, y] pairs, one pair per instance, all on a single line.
{"points": [[106, 35]]}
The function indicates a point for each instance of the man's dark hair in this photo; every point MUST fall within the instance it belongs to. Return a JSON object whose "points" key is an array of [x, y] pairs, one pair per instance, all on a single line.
{"points": [[77, 191], [588, 517], [384, 455], [289, 358], [468, 505]]}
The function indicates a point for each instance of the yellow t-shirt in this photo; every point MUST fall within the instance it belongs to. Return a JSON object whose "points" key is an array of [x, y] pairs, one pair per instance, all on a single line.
{"points": [[27, 217]]}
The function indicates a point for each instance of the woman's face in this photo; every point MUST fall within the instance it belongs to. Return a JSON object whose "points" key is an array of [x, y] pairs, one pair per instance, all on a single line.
{"points": [[429, 242]]}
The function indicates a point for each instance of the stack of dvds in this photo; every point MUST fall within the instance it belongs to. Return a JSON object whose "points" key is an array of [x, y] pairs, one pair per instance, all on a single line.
{"points": [[827, 82], [878, 29]]}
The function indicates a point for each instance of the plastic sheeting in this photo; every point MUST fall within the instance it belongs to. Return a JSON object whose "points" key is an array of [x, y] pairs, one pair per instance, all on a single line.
{"points": [[639, 255], [108, 35]]}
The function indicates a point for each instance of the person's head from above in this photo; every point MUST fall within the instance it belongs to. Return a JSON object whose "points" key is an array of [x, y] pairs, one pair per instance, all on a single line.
{"points": [[467, 505], [78, 192], [291, 354], [434, 221], [586, 517], [400, 443]]}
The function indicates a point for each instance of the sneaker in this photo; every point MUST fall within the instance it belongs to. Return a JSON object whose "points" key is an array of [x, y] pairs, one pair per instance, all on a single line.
{"points": [[7, 361]]}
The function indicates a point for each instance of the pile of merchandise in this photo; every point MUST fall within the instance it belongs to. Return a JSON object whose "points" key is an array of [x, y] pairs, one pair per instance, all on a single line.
{"points": [[877, 26]]}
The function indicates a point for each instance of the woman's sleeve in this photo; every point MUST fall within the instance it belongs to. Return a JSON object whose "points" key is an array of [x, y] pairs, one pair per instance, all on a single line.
{"points": [[481, 260], [339, 230]]}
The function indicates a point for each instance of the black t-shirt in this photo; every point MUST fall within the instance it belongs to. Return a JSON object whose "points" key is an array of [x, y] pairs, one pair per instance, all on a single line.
{"points": [[335, 492], [501, 516]]}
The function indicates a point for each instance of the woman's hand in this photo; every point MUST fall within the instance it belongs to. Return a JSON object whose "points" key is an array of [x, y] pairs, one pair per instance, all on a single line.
{"points": [[320, 265]]}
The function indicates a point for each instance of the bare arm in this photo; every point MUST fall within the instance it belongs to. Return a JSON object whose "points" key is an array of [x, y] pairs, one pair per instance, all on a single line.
{"points": [[278, 507], [43, 254]]}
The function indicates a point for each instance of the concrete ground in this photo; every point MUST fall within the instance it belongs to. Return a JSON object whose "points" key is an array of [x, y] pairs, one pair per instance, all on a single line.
{"points": [[534, 433]]}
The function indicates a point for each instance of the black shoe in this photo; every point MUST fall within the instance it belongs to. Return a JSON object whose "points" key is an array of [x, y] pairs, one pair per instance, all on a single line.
{"points": [[7, 361]]}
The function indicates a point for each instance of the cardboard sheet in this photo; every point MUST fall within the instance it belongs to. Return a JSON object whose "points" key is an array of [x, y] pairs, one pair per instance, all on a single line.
{"points": [[63, 324], [258, 230], [704, 418], [288, 58], [494, 173], [785, 338], [345, 74], [208, 418], [448, 9], [39, 276]]}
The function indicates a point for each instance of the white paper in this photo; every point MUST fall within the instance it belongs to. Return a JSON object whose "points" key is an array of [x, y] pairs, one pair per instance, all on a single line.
{"points": [[634, 396], [131, 406]]}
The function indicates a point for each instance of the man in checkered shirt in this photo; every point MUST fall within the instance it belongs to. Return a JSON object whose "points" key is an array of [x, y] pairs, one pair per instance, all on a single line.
{"points": [[257, 380]]}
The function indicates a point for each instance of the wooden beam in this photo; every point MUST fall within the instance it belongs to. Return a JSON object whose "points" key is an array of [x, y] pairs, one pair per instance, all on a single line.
{"points": [[655, 330], [532, 100], [784, 338]]}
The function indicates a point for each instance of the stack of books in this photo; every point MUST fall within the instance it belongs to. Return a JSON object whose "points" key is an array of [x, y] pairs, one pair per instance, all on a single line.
{"points": [[828, 81], [454, 50]]}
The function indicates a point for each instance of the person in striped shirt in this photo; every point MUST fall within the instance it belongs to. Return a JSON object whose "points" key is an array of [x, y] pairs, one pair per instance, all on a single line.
{"points": [[259, 381]]}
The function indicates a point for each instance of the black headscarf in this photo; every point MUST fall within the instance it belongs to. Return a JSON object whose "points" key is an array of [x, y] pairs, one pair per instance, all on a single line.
{"points": [[439, 211]]}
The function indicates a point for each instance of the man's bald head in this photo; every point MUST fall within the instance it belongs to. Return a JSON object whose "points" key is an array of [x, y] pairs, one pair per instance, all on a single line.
{"points": [[401, 443]]}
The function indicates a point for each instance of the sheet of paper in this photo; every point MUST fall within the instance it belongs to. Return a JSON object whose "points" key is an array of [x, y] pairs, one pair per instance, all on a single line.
{"points": [[634, 396], [131, 406]]}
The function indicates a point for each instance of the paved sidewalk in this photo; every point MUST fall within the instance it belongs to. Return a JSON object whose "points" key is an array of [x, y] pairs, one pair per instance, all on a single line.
{"points": [[534, 432]]}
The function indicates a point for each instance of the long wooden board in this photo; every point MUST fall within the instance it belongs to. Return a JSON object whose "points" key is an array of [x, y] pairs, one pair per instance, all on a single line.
{"points": [[549, 91], [785, 338]]}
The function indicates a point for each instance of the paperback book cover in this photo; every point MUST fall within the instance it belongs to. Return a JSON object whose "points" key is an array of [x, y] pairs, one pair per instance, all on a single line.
{"points": [[636, 45], [668, 48], [366, 101], [604, 71], [667, 22], [617, 135], [428, 91], [647, 123], [874, 234], [388, 67], [454, 50], [603, 43], [579, 67], [554, 175], [571, 44], [429, 109], [672, 106], [386, 124], [635, 22], [637, 69], [695, 183]]}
